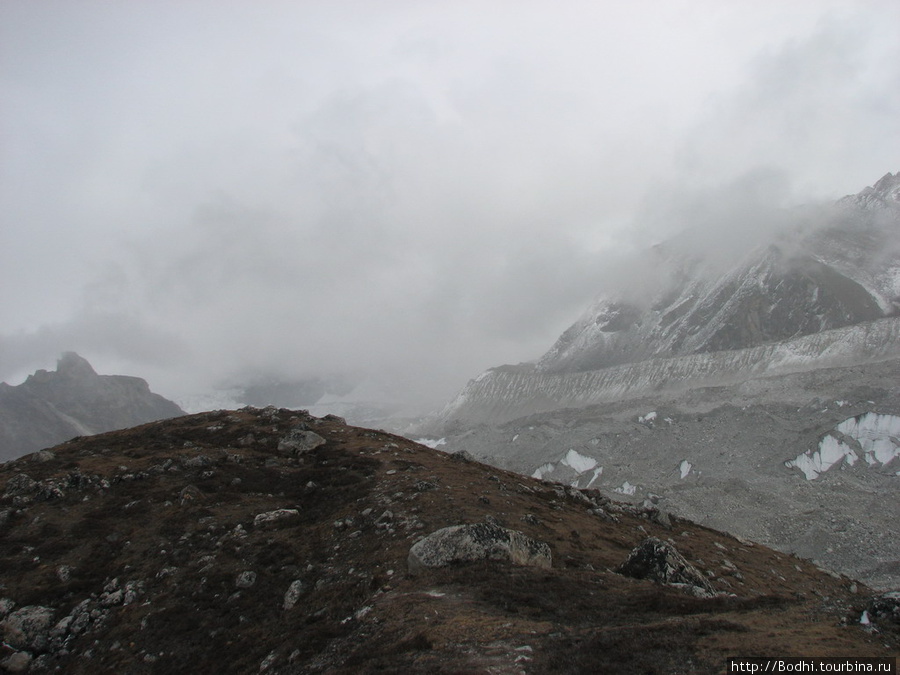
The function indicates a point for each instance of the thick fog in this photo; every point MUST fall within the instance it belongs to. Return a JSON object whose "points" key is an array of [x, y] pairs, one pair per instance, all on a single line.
{"points": [[203, 193]]}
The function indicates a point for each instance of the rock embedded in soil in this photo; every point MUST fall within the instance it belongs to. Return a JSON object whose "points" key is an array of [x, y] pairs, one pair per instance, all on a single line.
{"points": [[479, 541], [660, 561], [26, 628], [299, 441]]}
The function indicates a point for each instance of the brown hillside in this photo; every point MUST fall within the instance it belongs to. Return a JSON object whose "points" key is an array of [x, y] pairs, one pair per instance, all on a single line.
{"points": [[145, 547]]}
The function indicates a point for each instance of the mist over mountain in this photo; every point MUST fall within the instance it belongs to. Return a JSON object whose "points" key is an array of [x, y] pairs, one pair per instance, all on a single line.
{"points": [[813, 276], [404, 195]]}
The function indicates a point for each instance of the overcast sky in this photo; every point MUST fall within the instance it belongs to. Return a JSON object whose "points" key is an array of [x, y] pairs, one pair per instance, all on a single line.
{"points": [[195, 192]]}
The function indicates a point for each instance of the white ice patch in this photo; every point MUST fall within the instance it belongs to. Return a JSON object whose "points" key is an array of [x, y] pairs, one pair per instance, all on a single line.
{"points": [[543, 470], [685, 468], [831, 452], [578, 462], [876, 434], [626, 489], [431, 443], [646, 419]]}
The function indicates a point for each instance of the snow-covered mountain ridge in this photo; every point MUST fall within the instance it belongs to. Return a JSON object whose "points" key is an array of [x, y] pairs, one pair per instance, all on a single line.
{"points": [[826, 268]]}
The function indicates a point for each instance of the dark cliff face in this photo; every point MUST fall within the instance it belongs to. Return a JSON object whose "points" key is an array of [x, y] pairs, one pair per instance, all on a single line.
{"points": [[266, 540], [53, 406], [842, 272]]}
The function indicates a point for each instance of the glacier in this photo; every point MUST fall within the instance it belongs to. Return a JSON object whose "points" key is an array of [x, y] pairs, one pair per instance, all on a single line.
{"points": [[508, 392]]}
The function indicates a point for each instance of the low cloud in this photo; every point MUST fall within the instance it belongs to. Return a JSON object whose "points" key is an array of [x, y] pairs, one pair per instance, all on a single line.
{"points": [[408, 196]]}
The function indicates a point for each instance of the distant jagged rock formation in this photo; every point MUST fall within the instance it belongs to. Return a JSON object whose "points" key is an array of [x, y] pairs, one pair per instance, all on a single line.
{"points": [[51, 407]]}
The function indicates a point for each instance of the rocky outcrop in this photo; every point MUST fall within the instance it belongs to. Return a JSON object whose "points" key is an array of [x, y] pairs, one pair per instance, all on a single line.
{"points": [[51, 407], [480, 541], [26, 628], [659, 561], [299, 441]]}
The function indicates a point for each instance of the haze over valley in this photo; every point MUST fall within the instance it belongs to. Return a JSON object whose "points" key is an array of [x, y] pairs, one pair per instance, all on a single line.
{"points": [[393, 199]]}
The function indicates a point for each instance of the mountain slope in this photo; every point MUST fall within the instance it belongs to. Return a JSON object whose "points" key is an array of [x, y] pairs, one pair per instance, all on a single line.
{"points": [[50, 407], [272, 541]]}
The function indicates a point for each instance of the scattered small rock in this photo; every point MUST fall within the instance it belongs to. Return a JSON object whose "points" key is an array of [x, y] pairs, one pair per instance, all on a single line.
{"points": [[268, 661], [293, 593], [245, 579], [190, 494], [273, 518], [196, 461], [20, 485]]}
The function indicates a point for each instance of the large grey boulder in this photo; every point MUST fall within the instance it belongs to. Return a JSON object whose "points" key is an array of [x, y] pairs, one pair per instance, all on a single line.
{"points": [[299, 441], [27, 628], [659, 561], [480, 541]]}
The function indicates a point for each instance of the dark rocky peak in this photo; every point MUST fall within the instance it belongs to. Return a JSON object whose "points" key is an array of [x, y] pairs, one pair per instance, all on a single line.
{"points": [[72, 365], [889, 186], [52, 406]]}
